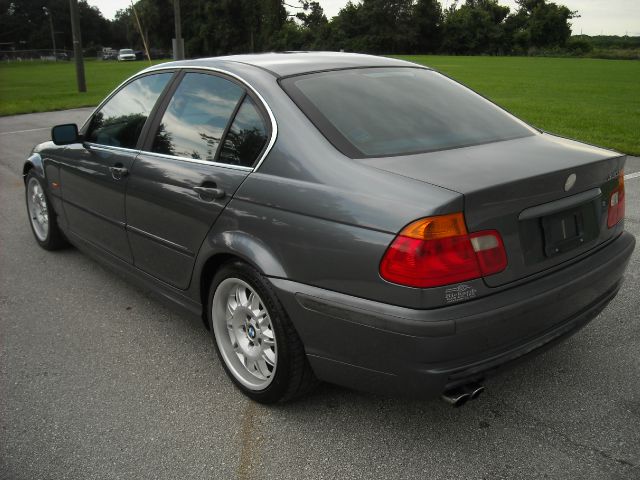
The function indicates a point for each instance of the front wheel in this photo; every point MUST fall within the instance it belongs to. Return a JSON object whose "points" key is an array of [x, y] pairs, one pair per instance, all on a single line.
{"points": [[42, 218], [259, 348]]}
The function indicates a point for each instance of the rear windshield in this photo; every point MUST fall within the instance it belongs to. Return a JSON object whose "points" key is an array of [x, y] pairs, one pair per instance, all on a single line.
{"points": [[377, 112]]}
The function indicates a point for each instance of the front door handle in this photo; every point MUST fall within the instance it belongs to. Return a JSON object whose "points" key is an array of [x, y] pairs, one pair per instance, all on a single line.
{"points": [[118, 171], [209, 193]]}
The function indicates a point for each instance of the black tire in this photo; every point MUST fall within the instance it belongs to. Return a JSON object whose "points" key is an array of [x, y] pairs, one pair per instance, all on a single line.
{"points": [[54, 239], [293, 376]]}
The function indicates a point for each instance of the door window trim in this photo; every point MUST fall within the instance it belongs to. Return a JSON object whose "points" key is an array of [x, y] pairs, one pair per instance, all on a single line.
{"points": [[163, 101], [152, 113], [247, 91]]}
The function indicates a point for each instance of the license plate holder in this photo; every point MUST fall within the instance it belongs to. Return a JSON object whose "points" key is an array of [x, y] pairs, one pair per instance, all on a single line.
{"points": [[563, 231]]}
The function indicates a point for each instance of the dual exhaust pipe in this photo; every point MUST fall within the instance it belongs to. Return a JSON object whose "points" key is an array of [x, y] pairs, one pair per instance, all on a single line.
{"points": [[458, 396]]}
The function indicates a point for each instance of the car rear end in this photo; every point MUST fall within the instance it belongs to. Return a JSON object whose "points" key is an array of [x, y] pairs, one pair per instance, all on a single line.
{"points": [[535, 250]]}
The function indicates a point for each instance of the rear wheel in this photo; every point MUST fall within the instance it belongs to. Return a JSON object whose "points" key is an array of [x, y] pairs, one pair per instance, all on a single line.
{"points": [[259, 348], [42, 218]]}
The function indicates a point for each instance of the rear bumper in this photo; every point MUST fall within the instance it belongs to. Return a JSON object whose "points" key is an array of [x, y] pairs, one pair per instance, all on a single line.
{"points": [[382, 348]]}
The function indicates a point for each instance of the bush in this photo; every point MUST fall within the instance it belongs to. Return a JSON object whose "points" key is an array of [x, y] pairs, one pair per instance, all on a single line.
{"points": [[579, 46]]}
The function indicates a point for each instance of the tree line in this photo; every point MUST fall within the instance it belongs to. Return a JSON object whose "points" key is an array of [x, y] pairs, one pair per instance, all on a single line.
{"points": [[218, 27]]}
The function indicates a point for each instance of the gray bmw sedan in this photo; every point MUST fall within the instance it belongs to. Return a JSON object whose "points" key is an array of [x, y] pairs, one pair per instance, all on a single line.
{"points": [[354, 219]]}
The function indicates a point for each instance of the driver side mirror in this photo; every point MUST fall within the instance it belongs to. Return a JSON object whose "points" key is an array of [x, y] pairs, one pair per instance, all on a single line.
{"points": [[65, 134]]}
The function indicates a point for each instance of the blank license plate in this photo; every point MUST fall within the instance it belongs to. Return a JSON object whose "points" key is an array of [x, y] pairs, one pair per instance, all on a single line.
{"points": [[562, 232]]}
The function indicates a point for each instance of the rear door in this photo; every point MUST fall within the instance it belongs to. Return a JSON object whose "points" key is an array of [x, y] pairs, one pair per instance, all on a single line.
{"points": [[204, 142], [94, 174]]}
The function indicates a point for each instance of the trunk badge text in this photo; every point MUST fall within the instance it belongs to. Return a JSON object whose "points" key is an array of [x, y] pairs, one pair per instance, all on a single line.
{"points": [[571, 181], [459, 293]]}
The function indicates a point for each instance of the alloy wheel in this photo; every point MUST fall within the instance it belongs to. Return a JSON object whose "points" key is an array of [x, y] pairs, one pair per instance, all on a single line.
{"points": [[38, 211], [244, 333]]}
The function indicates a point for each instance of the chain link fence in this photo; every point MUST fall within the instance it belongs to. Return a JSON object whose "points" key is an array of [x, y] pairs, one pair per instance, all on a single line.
{"points": [[32, 55]]}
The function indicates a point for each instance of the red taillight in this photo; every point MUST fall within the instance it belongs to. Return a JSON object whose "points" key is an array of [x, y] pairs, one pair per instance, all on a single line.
{"points": [[437, 251], [616, 203], [490, 251]]}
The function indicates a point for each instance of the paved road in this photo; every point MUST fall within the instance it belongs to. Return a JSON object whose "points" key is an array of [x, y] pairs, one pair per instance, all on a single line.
{"points": [[99, 381]]}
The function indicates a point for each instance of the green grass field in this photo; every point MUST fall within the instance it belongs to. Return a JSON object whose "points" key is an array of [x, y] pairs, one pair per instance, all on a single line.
{"points": [[27, 87], [597, 101]]}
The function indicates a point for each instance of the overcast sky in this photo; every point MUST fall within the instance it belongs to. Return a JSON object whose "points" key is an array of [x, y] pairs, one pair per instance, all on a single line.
{"points": [[607, 17]]}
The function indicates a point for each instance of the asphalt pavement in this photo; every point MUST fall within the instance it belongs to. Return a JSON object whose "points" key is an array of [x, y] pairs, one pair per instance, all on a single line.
{"points": [[100, 381]]}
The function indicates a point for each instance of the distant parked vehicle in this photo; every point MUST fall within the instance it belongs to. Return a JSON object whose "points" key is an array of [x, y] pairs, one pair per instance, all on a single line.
{"points": [[109, 53], [126, 54]]}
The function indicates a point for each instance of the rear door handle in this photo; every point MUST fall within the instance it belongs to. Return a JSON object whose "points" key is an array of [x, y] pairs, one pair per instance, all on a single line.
{"points": [[118, 171], [209, 193]]}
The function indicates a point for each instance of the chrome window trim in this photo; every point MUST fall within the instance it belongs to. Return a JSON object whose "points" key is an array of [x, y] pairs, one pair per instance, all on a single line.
{"points": [[272, 119], [196, 160], [112, 148], [109, 148]]}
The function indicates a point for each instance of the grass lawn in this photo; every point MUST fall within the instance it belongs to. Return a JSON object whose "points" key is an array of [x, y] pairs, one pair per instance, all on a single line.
{"points": [[597, 101], [37, 86]]}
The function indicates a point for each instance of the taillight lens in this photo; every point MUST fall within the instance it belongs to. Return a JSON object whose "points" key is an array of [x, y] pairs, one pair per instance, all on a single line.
{"points": [[616, 203], [437, 251], [490, 251]]}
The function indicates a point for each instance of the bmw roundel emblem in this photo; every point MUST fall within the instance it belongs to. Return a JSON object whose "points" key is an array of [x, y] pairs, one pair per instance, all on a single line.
{"points": [[571, 181]]}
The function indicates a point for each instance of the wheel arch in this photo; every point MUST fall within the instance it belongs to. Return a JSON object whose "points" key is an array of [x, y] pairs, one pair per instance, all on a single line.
{"points": [[34, 162], [229, 246]]}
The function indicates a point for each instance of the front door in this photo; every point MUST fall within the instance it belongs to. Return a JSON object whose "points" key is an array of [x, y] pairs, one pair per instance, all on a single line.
{"points": [[94, 174], [199, 151]]}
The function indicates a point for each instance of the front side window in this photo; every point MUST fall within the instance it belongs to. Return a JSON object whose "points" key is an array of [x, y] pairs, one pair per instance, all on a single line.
{"points": [[246, 137], [197, 116], [119, 122], [373, 112]]}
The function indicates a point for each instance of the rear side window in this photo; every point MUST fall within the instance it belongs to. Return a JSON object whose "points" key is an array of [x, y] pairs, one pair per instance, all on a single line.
{"points": [[119, 122], [197, 117], [398, 111], [246, 137]]}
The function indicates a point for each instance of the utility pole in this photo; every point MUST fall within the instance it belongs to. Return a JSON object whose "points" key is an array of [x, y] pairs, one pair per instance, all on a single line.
{"points": [[144, 40], [48, 14], [77, 45], [178, 44]]}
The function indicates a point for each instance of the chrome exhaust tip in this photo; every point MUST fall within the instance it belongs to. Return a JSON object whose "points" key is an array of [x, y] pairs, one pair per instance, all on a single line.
{"points": [[456, 397], [474, 390], [460, 395]]}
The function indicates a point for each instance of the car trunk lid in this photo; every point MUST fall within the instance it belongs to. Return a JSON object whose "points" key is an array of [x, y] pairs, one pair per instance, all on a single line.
{"points": [[518, 188]]}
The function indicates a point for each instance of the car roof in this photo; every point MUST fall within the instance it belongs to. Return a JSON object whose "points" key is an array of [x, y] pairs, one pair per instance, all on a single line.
{"points": [[294, 63]]}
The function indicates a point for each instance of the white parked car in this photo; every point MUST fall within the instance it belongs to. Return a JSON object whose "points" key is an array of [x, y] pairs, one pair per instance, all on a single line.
{"points": [[126, 54]]}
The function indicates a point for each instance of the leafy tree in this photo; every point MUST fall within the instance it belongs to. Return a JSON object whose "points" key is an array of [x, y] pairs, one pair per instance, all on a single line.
{"points": [[539, 24], [476, 27], [375, 26], [314, 32], [549, 24], [347, 27], [313, 20], [427, 20], [218, 27], [25, 24]]}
